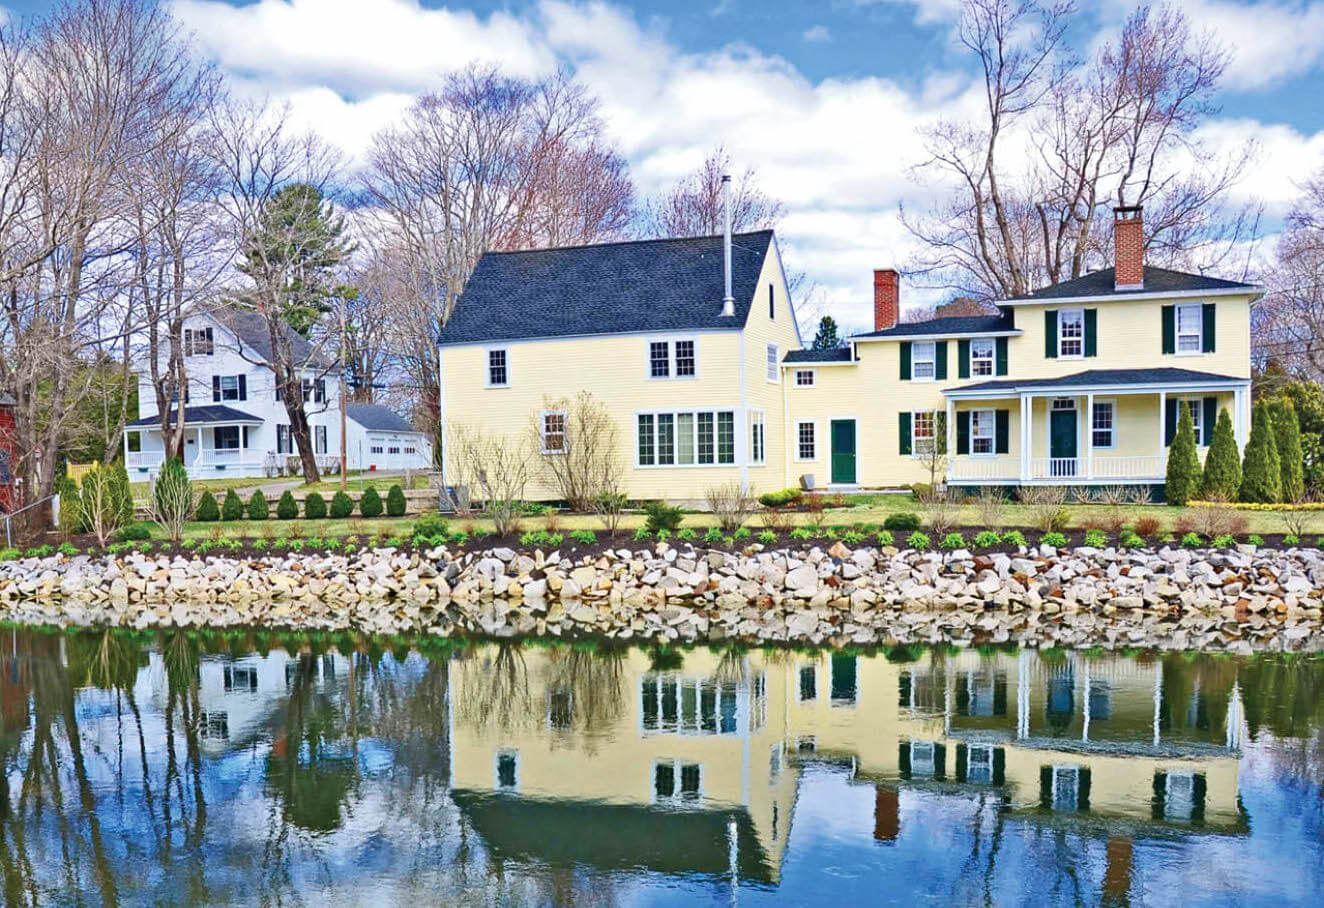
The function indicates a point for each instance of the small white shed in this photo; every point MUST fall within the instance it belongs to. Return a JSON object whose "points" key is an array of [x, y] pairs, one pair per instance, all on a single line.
{"points": [[378, 438]]}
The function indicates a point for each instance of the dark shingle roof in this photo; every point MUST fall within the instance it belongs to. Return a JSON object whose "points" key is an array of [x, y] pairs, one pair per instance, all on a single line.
{"points": [[955, 324], [613, 288], [254, 336], [198, 415], [1102, 377], [835, 355], [1157, 280], [377, 418]]}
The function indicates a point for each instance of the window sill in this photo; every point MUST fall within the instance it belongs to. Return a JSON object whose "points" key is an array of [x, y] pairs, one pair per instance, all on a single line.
{"points": [[491, 387], [1187, 353]]}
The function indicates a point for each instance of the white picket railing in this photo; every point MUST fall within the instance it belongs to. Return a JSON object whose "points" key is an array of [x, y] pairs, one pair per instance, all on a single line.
{"points": [[139, 459], [1063, 469], [213, 456]]}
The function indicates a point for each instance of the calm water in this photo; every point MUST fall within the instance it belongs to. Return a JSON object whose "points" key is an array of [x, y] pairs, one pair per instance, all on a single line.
{"points": [[342, 770]]}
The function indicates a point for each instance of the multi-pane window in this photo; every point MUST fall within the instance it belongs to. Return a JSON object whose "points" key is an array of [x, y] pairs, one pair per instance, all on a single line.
{"points": [[285, 442], [774, 361], [666, 438], [214, 726], [808, 682], [672, 358], [1190, 327], [376, 449], [707, 438], [921, 431], [979, 764], [726, 437], [498, 368], [981, 431], [806, 443], [240, 677], [647, 446], [686, 438], [225, 437], [319, 439], [1066, 787], [922, 355], [1102, 424], [1071, 332], [198, 342], [688, 706], [981, 356], [314, 390], [229, 387], [553, 432], [923, 760], [756, 437], [1196, 409], [392, 449], [677, 781], [804, 378]]}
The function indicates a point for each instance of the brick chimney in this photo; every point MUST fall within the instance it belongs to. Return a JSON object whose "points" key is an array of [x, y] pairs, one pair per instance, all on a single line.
{"points": [[886, 298], [1129, 248]]}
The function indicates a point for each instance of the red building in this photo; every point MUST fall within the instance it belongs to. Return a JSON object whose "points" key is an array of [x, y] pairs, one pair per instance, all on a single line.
{"points": [[8, 480]]}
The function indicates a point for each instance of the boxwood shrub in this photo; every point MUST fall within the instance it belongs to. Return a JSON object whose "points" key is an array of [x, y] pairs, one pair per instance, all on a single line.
{"points": [[257, 506], [395, 502], [370, 505], [232, 508], [901, 522], [286, 508], [314, 506], [342, 506]]}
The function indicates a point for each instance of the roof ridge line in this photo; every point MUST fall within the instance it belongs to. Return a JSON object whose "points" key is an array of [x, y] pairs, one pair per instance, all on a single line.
{"points": [[633, 242]]}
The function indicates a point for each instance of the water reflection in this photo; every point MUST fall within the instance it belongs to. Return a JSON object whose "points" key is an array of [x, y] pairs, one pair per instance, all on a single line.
{"points": [[240, 768]]}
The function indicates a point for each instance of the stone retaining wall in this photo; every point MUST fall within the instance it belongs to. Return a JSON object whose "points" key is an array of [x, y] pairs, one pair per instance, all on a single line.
{"points": [[1239, 599]]}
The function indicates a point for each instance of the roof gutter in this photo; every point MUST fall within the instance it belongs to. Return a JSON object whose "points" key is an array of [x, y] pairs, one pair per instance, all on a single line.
{"points": [[1254, 292]]}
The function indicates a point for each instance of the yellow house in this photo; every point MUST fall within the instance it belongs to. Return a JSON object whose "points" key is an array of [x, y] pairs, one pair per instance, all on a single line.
{"points": [[692, 346]]}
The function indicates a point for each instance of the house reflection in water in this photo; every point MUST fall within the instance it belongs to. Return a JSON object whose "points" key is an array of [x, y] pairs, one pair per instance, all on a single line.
{"points": [[691, 763]]}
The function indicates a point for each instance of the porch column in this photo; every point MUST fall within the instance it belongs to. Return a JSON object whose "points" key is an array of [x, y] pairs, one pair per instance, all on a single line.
{"points": [[126, 447], [1027, 416], [951, 439], [1162, 425], [198, 458], [1089, 435]]}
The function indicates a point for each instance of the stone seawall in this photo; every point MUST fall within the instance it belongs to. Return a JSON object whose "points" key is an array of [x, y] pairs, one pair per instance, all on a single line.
{"points": [[1240, 600]]}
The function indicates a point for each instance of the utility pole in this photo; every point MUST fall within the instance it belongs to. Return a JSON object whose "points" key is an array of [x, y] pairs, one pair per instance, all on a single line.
{"points": [[344, 347]]}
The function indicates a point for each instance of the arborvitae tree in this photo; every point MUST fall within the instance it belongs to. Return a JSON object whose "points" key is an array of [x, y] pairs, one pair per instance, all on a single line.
{"points": [[1261, 473], [208, 510], [1222, 465], [395, 501], [314, 506], [827, 337], [1287, 438], [342, 506], [232, 508], [1183, 462], [286, 509], [370, 505], [257, 506], [71, 508]]}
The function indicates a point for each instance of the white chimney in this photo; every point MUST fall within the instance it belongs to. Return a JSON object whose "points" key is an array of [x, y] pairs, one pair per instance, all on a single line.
{"points": [[728, 301]]}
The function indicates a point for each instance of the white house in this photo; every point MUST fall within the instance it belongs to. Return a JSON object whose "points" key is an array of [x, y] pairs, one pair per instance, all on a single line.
{"points": [[378, 438]]}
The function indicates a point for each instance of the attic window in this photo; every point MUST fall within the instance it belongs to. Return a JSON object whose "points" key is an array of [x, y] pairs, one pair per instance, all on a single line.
{"points": [[198, 342]]}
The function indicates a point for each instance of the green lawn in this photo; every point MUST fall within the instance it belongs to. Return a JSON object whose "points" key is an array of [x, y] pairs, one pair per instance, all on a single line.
{"points": [[140, 489], [380, 483]]}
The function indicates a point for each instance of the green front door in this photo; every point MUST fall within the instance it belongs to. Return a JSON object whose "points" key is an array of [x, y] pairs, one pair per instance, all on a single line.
{"points": [[1062, 443], [843, 451]]}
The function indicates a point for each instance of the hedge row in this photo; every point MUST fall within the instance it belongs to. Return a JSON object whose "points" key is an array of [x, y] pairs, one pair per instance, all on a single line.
{"points": [[315, 507]]}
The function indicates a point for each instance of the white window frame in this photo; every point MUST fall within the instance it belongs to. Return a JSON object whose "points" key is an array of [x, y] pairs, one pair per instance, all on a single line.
{"points": [[813, 441], [932, 416], [715, 413], [923, 758], [985, 751], [802, 374], [977, 432], [672, 347], [1077, 316], [230, 392], [773, 356], [758, 438], [1063, 771], [487, 366], [199, 342], [321, 444], [1111, 404], [931, 360], [981, 359], [811, 667], [1196, 405], [496, 770], [1197, 334], [545, 433], [676, 796], [1179, 804]]}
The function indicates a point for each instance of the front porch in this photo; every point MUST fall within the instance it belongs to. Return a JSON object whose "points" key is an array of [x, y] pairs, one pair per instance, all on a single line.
{"points": [[216, 443], [1103, 427]]}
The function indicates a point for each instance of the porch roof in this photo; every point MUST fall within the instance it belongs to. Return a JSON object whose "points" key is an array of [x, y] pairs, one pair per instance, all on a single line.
{"points": [[212, 415], [1161, 379]]}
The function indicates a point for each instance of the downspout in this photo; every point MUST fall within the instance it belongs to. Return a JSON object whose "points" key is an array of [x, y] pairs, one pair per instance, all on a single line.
{"points": [[786, 434], [441, 412]]}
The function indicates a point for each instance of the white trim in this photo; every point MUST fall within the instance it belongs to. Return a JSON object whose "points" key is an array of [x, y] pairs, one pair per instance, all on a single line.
{"points": [[1255, 292], [695, 411], [570, 337], [671, 341], [487, 366], [795, 441], [677, 796], [1061, 390], [1177, 333], [542, 431], [817, 364], [862, 338], [786, 289], [1112, 432], [1058, 321]]}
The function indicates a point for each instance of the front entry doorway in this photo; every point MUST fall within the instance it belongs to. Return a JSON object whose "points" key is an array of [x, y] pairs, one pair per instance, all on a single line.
{"points": [[1062, 438], [843, 452]]}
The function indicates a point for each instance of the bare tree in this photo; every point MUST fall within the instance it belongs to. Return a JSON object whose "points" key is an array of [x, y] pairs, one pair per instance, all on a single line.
{"points": [[579, 444], [1287, 327], [694, 206], [493, 468], [1118, 129]]}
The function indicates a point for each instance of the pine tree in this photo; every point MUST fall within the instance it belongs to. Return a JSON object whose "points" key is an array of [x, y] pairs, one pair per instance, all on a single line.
{"points": [[1261, 473], [232, 507], [1222, 465], [827, 337], [1183, 462], [1287, 438]]}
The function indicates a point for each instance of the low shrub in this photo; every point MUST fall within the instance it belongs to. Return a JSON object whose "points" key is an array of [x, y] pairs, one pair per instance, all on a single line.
{"points": [[395, 501], [780, 499], [768, 537], [641, 534], [533, 538], [232, 508], [952, 541], [689, 535], [41, 551], [742, 533], [134, 532], [800, 534], [901, 522], [1255, 539], [208, 509], [1226, 541], [986, 539], [852, 537], [1291, 539], [1014, 537], [286, 507], [68, 549], [712, 536], [1147, 526], [918, 540], [1055, 539], [257, 506], [459, 537], [662, 516], [1191, 540], [1132, 540], [584, 537], [663, 535], [1096, 539], [428, 524], [370, 505], [10, 554], [314, 506]]}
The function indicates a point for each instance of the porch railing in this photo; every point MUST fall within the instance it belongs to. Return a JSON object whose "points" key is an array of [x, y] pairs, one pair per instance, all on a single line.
{"points": [[213, 456], [140, 459], [1064, 469]]}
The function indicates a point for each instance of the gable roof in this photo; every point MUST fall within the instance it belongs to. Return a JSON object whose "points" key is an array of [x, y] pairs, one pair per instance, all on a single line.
{"points": [[250, 329], [1157, 281], [611, 288], [377, 418], [1102, 377], [952, 324]]}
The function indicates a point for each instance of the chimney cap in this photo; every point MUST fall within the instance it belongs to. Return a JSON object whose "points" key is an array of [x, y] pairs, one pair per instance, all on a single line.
{"points": [[1128, 212]]}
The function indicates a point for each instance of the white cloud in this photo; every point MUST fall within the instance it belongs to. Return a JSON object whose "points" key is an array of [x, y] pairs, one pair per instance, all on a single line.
{"points": [[837, 151], [817, 34]]}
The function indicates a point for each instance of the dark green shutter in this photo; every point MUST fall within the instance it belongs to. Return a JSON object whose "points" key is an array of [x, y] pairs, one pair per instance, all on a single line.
{"points": [[1001, 343], [1169, 329], [1210, 417], [903, 429], [1091, 332], [1208, 328], [939, 761], [963, 359], [905, 360], [961, 759], [1046, 786], [963, 432], [999, 766], [243, 388], [940, 361], [1082, 790], [1002, 431], [903, 759], [215, 389], [1050, 333], [1170, 421], [1160, 795], [1199, 791]]}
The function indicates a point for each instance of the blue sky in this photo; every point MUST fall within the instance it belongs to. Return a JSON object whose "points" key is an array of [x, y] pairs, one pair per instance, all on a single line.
{"points": [[822, 97]]}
